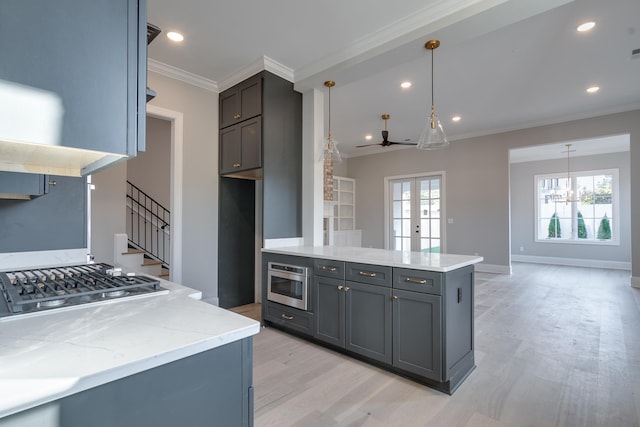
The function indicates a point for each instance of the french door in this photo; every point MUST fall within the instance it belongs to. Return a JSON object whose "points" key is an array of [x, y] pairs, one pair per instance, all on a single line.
{"points": [[415, 214]]}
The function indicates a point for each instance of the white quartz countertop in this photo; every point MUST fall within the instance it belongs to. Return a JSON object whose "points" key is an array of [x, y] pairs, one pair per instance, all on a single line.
{"points": [[406, 259], [58, 353]]}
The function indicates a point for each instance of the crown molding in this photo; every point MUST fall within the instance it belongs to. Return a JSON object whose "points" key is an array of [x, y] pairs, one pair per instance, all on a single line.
{"points": [[263, 64], [182, 75]]}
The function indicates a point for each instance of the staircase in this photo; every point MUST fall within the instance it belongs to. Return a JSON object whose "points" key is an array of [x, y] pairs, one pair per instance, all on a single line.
{"points": [[136, 259]]}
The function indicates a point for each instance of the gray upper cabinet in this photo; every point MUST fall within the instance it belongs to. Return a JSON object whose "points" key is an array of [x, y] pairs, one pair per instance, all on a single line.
{"points": [[92, 55], [25, 186], [241, 102], [241, 146]]}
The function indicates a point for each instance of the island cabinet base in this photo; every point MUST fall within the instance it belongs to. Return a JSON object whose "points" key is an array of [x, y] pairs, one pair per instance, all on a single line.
{"points": [[414, 322], [209, 388]]}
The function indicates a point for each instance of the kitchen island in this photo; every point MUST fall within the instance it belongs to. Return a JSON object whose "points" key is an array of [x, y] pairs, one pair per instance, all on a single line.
{"points": [[161, 360], [408, 312]]}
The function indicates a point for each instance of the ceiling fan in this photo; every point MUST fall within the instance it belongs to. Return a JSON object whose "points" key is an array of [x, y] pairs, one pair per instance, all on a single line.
{"points": [[385, 137]]}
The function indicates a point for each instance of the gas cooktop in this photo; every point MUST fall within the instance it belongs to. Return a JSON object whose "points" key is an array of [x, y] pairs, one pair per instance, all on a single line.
{"points": [[35, 290]]}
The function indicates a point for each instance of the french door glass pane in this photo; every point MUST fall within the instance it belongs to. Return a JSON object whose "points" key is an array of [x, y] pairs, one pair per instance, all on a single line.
{"points": [[415, 214]]}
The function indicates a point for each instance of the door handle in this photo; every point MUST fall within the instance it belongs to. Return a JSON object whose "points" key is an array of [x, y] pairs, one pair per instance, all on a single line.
{"points": [[459, 295], [236, 165], [237, 116], [394, 298], [340, 287]]}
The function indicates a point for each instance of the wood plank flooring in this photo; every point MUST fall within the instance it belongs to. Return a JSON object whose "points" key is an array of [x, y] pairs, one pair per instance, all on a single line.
{"points": [[555, 346]]}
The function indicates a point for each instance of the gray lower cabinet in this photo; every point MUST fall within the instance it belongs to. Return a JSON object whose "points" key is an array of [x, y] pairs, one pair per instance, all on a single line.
{"points": [[354, 316], [214, 387], [417, 333], [413, 322], [368, 321], [329, 310]]}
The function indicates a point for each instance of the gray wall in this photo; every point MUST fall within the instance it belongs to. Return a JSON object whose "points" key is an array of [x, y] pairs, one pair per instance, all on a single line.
{"points": [[523, 209], [151, 170], [481, 212], [108, 212], [200, 181]]}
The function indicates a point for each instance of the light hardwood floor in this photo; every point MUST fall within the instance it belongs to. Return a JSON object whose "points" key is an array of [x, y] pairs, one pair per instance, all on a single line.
{"points": [[555, 346]]}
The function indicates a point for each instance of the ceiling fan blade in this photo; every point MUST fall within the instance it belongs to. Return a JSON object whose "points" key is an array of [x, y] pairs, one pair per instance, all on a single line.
{"points": [[402, 143], [367, 145]]}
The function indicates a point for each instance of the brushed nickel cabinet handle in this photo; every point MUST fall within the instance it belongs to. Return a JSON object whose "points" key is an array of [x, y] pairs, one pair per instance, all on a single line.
{"points": [[325, 268], [418, 281], [286, 317], [340, 287], [394, 298], [346, 288], [363, 273], [236, 165], [237, 116]]}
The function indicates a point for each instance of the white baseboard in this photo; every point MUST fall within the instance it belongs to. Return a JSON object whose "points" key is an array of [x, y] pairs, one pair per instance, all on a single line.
{"points": [[574, 262], [635, 282], [493, 268]]}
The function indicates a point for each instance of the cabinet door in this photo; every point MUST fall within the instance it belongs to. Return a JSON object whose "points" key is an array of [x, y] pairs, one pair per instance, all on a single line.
{"points": [[92, 55], [329, 310], [417, 333], [368, 321], [15, 185], [241, 146], [241, 102]]}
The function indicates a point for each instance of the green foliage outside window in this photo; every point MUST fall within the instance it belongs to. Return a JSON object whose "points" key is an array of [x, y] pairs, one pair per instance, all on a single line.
{"points": [[582, 228], [554, 226], [604, 230]]}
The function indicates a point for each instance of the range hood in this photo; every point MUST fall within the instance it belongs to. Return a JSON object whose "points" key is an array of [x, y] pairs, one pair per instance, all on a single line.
{"points": [[30, 128]]}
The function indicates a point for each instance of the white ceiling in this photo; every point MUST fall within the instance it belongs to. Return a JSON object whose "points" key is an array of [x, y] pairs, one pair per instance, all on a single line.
{"points": [[502, 64]]}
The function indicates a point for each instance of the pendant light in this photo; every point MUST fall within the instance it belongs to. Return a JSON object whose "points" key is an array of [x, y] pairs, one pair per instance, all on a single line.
{"points": [[433, 135], [330, 147], [569, 194]]}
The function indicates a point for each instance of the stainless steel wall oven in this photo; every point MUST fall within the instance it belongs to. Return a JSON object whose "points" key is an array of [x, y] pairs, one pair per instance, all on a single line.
{"points": [[288, 285]]}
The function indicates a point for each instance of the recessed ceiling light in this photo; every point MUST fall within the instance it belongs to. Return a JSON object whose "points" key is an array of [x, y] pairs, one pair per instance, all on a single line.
{"points": [[456, 118], [405, 85], [174, 36], [368, 137], [593, 89], [586, 26]]}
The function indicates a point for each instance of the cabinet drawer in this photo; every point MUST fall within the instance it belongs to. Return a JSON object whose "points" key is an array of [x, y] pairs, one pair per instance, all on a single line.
{"points": [[367, 273], [301, 321], [328, 268], [428, 282]]}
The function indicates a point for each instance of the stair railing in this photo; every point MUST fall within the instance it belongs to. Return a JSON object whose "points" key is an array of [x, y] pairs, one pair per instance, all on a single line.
{"points": [[148, 225]]}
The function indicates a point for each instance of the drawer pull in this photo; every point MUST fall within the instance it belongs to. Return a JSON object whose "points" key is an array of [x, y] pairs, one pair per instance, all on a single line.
{"points": [[417, 281], [287, 317], [237, 116], [364, 273], [325, 268], [236, 165]]}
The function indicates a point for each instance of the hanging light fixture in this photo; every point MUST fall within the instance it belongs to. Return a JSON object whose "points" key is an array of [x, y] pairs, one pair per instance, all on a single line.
{"points": [[569, 193], [433, 135], [330, 147]]}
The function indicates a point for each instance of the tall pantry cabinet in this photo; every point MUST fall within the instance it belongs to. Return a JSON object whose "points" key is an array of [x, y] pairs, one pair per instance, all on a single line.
{"points": [[260, 145]]}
